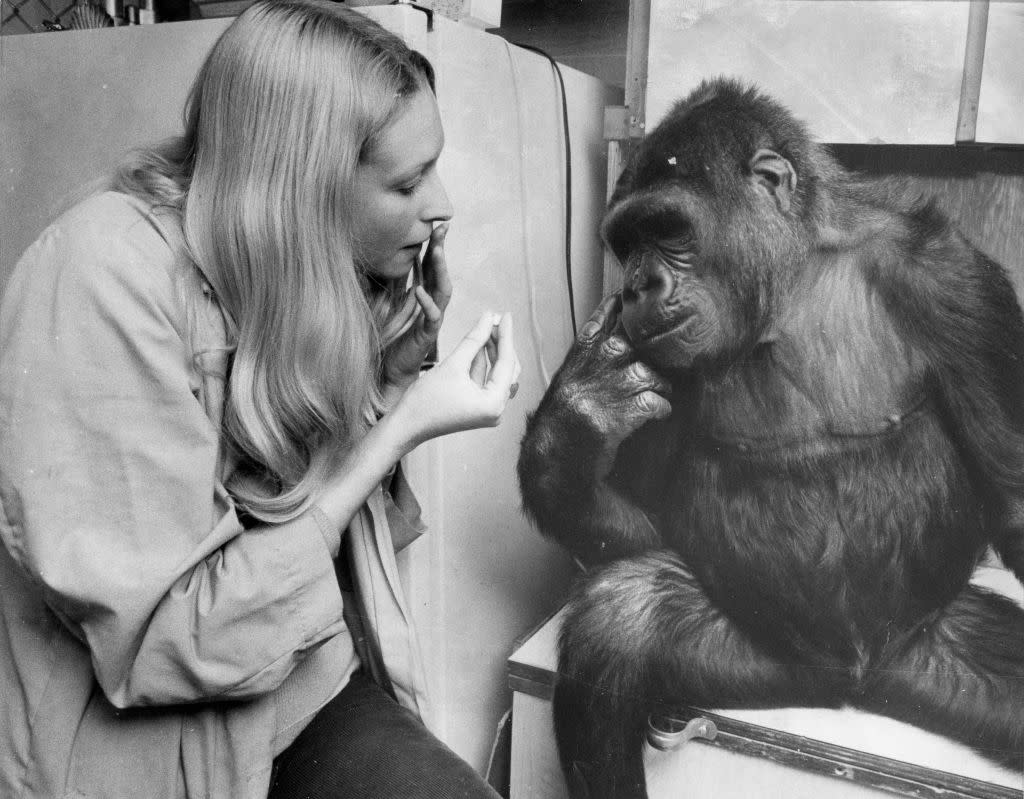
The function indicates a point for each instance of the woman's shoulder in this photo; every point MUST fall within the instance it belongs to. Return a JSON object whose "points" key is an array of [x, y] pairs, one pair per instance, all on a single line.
{"points": [[113, 223], [109, 239]]}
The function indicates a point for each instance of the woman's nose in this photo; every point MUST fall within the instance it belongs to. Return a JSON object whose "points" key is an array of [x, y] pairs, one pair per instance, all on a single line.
{"points": [[437, 208]]}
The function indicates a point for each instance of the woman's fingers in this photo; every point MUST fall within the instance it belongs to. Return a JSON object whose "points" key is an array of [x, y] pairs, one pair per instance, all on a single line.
{"points": [[478, 369], [433, 316], [487, 354], [408, 314], [492, 345], [505, 368], [474, 341], [436, 279]]}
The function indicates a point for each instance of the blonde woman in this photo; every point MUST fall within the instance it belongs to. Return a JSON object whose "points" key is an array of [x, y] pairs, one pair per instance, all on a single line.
{"points": [[209, 374]]}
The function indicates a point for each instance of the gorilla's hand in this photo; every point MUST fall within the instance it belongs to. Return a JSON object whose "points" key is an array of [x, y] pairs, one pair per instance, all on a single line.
{"points": [[604, 386], [599, 396]]}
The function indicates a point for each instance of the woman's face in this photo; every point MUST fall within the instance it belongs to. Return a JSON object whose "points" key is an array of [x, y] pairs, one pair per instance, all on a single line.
{"points": [[398, 193]]}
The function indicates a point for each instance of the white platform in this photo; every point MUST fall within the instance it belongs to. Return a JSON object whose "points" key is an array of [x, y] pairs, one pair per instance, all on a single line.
{"points": [[844, 753]]}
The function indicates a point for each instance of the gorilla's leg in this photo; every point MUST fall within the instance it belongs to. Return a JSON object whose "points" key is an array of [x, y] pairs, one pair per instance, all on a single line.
{"points": [[640, 634], [961, 674]]}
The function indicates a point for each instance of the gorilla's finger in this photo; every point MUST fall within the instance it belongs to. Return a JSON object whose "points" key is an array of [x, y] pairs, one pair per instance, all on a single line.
{"points": [[653, 405], [619, 330], [646, 377], [611, 320], [602, 320], [616, 347]]}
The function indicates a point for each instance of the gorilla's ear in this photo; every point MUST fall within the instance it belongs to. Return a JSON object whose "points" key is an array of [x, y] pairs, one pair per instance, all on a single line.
{"points": [[775, 175]]}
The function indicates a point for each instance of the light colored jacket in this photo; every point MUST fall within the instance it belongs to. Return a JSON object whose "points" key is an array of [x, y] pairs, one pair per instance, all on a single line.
{"points": [[150, 646]]}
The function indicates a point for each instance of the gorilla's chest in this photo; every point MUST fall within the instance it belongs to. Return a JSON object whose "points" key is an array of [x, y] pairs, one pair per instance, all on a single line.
{"points": [[800, 404], [814, 470], [826, 377]]}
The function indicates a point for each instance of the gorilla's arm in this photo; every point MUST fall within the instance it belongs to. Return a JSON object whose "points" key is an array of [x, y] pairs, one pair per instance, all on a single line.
{"points": [[959, 308], [570, 453]]}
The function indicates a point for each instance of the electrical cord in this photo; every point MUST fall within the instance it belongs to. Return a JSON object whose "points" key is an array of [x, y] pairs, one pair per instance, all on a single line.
{"points": [[568, 178], [556, 67], [531, 284]]}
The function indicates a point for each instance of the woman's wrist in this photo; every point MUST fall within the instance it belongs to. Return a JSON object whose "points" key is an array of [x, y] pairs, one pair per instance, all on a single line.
{"points": [[394, 433], [365, 465], [394, 388], [399, 425]]}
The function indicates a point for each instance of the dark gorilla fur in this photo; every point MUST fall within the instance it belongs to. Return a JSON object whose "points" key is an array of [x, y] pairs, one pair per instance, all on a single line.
{"points": [[845, 439]]}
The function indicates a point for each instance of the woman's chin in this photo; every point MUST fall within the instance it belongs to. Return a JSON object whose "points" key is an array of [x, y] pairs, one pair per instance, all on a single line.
{"points": [[397, 267]]}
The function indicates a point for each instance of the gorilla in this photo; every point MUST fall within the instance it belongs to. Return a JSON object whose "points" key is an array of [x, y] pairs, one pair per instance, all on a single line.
{"points": [[781, 450]]}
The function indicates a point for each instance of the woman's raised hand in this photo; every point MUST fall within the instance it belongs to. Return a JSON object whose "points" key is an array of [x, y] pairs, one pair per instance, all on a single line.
{"points": [[468, 389], [404, 357]]}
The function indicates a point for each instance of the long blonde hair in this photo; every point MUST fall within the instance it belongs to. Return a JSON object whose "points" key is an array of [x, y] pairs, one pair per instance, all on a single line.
{"points": [[289, 98]]}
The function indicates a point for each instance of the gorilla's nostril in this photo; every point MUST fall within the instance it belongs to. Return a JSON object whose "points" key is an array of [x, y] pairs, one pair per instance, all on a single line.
{"points": [[650, 279], [641, 280]]}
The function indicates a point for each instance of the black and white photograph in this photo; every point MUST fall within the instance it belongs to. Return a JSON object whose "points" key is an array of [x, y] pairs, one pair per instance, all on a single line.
{"points": [[511, 399]]}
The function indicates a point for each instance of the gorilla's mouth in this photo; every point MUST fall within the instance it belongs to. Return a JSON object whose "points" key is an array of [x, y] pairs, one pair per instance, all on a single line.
{"points": [[675, 332], [667, 347], [643, 333]]}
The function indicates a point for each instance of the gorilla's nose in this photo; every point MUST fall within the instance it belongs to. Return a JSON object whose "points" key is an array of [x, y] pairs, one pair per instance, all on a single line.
{"points": [[650, 282], [646, 293]]}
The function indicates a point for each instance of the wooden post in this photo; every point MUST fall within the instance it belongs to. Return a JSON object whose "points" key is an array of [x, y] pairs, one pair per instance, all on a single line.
{"points": [[625, 125], [974, 61]]}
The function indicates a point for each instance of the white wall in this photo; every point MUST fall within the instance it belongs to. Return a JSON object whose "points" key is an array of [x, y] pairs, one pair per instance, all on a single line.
{"points": [[72, 103]]}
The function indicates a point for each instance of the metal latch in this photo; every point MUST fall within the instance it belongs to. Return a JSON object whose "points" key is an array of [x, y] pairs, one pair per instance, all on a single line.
{"points": [[666, 734]]}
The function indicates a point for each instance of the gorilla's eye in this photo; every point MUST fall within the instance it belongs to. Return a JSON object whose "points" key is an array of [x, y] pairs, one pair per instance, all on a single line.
{"points": [[655, 225], [676, 250], [676, 245]]}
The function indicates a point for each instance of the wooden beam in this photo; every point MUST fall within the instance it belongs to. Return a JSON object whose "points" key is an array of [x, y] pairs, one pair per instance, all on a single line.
{"points": [[974, 62], [623, 126]]}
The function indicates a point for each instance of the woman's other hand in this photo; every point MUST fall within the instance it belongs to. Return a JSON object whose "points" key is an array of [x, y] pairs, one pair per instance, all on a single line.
{"points": [[405, 357], [468, 389]]}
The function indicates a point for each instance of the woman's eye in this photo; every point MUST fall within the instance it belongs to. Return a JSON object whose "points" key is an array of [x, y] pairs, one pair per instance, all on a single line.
{"points": [[409, 188]]}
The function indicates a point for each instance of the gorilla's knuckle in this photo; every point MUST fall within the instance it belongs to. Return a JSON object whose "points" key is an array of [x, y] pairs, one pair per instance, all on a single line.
{"points": [[582, 406], [590, 331], [615, 347], [639, 373], [652, 404]]}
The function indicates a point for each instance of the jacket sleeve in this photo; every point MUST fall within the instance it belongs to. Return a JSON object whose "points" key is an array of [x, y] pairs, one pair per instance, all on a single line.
{"points": [[110, 494]]}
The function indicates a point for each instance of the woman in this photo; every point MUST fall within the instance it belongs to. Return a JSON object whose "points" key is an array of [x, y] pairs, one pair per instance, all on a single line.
{"points": [[208, 376]]}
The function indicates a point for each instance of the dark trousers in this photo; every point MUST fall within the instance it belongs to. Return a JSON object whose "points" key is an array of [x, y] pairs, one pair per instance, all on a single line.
{"points": [[364, 745]]}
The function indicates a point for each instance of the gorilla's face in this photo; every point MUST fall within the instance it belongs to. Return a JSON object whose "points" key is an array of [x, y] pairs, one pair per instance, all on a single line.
{"points": [[678, 306], [704, 237]]}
